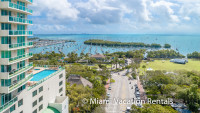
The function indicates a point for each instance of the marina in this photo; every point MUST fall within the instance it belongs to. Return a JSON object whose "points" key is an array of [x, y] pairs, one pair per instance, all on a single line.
{"points": [[75, 43]]}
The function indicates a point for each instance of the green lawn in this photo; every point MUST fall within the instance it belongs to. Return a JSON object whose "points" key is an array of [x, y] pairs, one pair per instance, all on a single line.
{"points": [[170, 66]]}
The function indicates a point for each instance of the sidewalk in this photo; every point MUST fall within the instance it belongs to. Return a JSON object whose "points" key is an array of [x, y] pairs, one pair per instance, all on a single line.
{"points": [[141, 89], [107, 84]]}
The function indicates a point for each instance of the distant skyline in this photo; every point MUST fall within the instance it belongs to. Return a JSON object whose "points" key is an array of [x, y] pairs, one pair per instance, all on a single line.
{"points": [[116, 16]]}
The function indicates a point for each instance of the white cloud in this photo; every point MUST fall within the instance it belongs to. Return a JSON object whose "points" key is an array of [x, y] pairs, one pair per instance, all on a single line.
{"points": [[99, 11], [186, 18], [116, 15], [55, 9]]}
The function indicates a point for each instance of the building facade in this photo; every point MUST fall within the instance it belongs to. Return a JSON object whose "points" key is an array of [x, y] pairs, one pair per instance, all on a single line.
{"points": [[24, 88]]}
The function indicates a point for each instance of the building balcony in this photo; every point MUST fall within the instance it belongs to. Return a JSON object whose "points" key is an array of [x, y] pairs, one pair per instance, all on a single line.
{"points": [[30, 1], [14, 72], [15, 33], [9, 61], [20, 83], [14, 86], [17, 20], [8, 104], [15, 7], [27, 1], [16, 46], [20, 58]]}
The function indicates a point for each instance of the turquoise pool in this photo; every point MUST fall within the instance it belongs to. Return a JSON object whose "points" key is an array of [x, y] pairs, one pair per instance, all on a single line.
{"points": [[43, 74]]}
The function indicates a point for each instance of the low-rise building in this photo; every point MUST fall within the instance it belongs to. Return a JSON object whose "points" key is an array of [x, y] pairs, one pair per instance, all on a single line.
{"points": [[98, 56], [78, 80]]}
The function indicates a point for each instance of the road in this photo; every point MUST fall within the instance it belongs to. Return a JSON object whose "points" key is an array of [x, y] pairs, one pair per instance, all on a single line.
{"points": [[120, 90]]}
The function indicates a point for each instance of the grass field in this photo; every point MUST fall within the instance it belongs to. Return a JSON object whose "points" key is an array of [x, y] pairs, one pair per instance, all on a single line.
{"points": [[192, 65]]}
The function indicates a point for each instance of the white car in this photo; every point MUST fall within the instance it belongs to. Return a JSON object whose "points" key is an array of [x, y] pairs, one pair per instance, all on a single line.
{"points": [[128, 109]]}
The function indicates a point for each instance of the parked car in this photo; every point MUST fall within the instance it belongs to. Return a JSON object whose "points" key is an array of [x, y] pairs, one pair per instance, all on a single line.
{"points": [[138, 98], [109, 88], [136, 89]]}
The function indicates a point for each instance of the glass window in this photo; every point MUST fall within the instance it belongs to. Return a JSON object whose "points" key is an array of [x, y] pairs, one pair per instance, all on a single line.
{"points": [[41, 89], [60, 90], [5, 40], [21, 88], [41, 98], [5, 98], [40, 107], [34, 103], [20, 27], [6, 68], [60, 83], [5, 82], [5, 26], [5, 54], [34, 93], [20, 102], [5, 13], [61, 75], [12, 108], [35, 111]]}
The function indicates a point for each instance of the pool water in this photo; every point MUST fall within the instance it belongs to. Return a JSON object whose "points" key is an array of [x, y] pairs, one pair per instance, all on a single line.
{"points": [[36, 69], [43, 74]]}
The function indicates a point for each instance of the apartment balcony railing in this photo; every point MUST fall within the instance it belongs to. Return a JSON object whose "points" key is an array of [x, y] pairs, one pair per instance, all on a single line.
{"points": [[20, 32], [11, 46], [21, 57], [20, 7], [21, 20], [21, 70], [8, 104], [20, 83], [30, 1], [48, 77]]}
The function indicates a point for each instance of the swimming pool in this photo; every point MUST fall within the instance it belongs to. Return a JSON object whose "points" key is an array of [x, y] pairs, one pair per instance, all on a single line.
{"points": [[43, 74]]}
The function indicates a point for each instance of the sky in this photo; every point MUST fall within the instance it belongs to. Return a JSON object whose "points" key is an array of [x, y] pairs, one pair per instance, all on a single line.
{"points": [[115, 16]]}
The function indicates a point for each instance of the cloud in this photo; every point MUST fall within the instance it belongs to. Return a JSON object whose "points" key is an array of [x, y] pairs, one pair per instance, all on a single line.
{"points": [[54, 10], [99, 12], [116, 16]]}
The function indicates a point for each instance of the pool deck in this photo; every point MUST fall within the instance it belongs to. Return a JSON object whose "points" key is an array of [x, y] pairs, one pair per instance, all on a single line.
{"points": [[37, 71]]}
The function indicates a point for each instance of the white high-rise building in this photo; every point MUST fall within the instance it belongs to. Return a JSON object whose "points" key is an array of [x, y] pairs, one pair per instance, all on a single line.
{"points": [[25, 88]]}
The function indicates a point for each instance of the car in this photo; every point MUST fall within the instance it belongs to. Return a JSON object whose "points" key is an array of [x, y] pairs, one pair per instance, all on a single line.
{"points": [[138, 98], [108, 94], [128, 109], [137, 89], [109, 88]]}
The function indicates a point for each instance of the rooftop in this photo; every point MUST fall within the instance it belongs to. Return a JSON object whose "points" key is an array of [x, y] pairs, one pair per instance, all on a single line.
{"points": [[42, 73], [98, 56], [77, 79]]}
